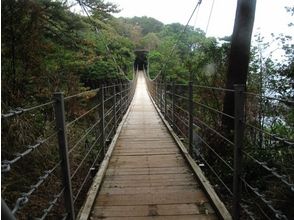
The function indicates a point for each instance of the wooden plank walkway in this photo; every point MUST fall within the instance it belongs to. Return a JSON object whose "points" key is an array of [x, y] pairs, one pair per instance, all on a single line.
{"points": [[147, 176]]}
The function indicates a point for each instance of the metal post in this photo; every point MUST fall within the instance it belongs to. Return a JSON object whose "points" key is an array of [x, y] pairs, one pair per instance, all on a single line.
{"points": [[161, 99], [190, 106], [63, 151], [173, 104], [102, 119], [123, 98], [120, 101], [156, 92], [165, 99], [238, 140], [130, 94], [6, 212], [127, 96], [114, 107]]}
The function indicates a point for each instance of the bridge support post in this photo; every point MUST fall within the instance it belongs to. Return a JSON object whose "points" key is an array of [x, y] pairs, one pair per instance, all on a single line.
{"points": [[63, 151], [173, 104], [156, 92], [120, 100], [130, 94], [165, 99], [190, 106], [114, 108], [238, 141], [102, 119], [161, 98]]}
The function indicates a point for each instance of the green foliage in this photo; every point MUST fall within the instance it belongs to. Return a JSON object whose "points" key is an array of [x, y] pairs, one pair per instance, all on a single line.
{"points": [[47, 48], [205, 58], [45, 45], [148, 25]]}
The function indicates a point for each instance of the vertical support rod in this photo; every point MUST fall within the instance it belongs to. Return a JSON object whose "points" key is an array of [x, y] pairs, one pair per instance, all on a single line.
{"points": [[173, 104], [102, 119], [63, 152], [156, 91], [161, 94], [120, 101], [165, 99], [123, 97], [190, 106], [158, 94], [114, 108], [128, 95], [238, 140]]}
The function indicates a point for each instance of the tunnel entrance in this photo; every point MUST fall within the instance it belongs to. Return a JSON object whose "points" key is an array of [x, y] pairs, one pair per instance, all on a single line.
{"points": [[141, 61]]}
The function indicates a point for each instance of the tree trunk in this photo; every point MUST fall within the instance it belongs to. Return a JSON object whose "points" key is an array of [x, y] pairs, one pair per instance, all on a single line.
{"points": [[239, 56]]}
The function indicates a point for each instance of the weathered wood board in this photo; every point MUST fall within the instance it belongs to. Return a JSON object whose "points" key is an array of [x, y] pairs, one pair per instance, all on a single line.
{"points": [[147, 176]]}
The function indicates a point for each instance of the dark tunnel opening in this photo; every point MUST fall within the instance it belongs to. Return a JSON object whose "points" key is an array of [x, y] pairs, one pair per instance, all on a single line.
{"points": [[141, 60]]}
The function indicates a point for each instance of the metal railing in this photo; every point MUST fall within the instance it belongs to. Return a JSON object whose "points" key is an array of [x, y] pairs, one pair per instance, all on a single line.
{"points": [[223, 157], [82, 140]]}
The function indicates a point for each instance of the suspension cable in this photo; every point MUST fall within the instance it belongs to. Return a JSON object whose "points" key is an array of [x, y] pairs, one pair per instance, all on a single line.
{"points": [[210, 13], [196, 17], [100, 34], [178, 40]]}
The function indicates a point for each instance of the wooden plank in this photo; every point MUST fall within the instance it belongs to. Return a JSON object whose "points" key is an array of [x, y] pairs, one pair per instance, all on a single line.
{"points": [[147, 176], [146, 171], [218, 204], [147, 199], [179, 176], [147, 184], [148, 189], [175, 217], [147, 210], [92, 193], [140, 153]]}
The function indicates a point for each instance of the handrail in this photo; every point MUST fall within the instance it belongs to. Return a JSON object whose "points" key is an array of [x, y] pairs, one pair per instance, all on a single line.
{"points": [[167, 100], [112, 106]]}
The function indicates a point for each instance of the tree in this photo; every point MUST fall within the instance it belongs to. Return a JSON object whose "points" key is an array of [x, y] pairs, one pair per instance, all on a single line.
{"points": [[239, 56], [147, 24]]}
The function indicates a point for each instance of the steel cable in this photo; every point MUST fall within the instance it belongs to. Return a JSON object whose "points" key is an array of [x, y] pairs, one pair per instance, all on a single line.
{"points": [[83, 160], [284, 140], [52, 203], [87, 176], [272, 170], [81, 116], [84, 136], [24, 199], [215, 131], [81, 94], [268, 203], [20, 110], [6, 164]]}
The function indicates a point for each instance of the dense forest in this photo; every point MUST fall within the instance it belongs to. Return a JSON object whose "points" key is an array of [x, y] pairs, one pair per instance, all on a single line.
{"points": [[69, 46]]}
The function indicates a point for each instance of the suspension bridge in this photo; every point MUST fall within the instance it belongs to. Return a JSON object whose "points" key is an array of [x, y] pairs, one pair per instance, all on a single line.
{"points": [[143, 149], [143, 161], [147, 175]]}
